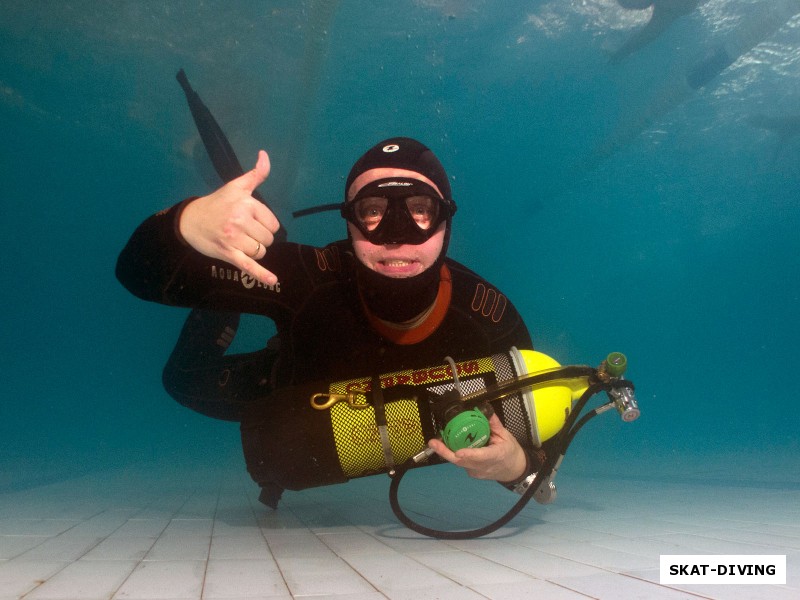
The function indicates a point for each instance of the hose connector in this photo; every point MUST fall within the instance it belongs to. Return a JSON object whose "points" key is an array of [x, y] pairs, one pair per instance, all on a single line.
{"points": [[625, 402]]}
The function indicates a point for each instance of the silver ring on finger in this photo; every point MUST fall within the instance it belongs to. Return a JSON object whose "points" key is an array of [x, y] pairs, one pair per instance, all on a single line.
{"points": [[258, 249]]}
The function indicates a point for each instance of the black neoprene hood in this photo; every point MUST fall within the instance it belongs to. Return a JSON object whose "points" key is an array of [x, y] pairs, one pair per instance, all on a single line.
{"points": [[402, 153]]}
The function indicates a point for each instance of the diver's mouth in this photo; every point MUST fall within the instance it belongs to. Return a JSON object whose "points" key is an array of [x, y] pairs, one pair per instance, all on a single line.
{"points": [[398, 267], [397, 263]]}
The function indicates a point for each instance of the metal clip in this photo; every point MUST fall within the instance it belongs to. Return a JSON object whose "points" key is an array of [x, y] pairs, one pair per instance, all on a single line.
{"points": [[334, 399], [547, 491]]}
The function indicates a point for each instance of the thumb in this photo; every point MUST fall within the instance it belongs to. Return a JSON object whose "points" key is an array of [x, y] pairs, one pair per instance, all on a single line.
{"points": [[439, 447], [495, 424], [497, 429], [252, 179]]}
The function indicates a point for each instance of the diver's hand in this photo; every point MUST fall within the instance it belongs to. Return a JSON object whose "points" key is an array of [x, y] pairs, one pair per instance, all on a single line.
{"points": [[502, 459], [231, 225]]}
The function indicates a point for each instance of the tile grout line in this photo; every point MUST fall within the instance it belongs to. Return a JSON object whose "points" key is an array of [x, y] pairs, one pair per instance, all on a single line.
{"points": [[220, 488], [249, 500], [139, 563]]}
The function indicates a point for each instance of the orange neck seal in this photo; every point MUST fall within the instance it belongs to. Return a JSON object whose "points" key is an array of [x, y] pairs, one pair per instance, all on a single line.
{"points": [[421, 328]]}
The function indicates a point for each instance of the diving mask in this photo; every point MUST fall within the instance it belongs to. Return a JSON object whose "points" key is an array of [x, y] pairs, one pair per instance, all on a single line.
{"points": [[397, 210]]}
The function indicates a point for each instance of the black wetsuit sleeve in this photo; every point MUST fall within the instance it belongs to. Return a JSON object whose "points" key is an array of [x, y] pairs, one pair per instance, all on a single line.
{"points": [[159, 266], [153, 253]]}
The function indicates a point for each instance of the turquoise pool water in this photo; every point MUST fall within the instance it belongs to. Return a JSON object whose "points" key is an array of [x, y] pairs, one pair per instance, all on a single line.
{"points": [[647, 205]]}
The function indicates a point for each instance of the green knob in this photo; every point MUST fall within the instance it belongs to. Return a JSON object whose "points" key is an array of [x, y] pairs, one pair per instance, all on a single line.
{"points": [[616, 363], [469, 429]]}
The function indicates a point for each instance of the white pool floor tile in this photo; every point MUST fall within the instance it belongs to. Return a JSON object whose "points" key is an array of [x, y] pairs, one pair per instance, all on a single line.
{"points": [[167, 534]]}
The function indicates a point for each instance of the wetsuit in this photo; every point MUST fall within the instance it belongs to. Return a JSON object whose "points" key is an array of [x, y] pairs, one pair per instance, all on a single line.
{"points": [[325, 331], [201, 376]]}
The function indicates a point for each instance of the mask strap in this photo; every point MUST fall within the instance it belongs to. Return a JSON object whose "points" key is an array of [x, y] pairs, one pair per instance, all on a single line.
{"points": [[303, 212]]}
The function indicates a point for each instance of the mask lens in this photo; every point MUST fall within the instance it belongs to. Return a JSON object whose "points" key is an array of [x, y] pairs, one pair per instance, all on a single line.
{"points": [[423, 209], [369, 211]]}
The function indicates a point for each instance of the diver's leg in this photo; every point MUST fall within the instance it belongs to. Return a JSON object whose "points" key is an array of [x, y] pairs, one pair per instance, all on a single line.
{"points": [[200, 376]]}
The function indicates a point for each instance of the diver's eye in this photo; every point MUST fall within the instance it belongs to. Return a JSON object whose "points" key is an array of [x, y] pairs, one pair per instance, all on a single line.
{"points": [[423, 209], [370, 211]]}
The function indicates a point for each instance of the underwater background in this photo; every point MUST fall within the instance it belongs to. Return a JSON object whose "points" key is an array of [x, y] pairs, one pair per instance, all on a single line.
{"points": [[641, 200]]}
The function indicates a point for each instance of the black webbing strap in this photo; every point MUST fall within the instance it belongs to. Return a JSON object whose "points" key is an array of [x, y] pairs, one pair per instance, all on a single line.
{"points": [[381, 421]]}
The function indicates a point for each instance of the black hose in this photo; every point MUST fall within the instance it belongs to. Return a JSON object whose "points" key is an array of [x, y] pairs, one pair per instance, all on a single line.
{"points": [[570, 435], [564, 437], [453, 535]]}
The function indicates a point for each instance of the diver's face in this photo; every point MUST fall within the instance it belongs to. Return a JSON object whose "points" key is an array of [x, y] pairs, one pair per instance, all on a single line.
{"points": [[398, 260], [394, 260]]}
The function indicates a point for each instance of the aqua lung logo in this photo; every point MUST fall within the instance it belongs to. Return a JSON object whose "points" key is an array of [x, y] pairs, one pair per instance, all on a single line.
{"points": [[391, 148], [228, 274]]}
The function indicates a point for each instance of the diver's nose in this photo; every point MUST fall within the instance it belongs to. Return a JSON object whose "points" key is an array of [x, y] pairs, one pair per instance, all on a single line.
{"points": [[398, 226]]}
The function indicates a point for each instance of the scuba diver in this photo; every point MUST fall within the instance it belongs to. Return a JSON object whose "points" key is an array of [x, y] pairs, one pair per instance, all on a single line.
{"points": [[664, 13], [385, 298], [363, 328]]}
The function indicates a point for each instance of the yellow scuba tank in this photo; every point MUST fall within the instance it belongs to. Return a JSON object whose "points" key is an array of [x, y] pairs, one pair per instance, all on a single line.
{"points": [[325, 433], [548, 404]]}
